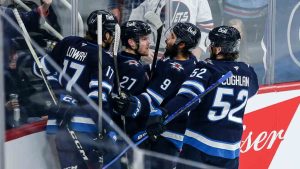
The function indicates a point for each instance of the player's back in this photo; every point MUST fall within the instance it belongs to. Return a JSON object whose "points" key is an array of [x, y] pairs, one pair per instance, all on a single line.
{"points": [[79, 60], [172, 74], [168, 77], [219, 116]]}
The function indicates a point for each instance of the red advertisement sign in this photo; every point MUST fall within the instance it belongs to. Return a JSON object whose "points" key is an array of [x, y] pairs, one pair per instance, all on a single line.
{"points": [[264, 130]]}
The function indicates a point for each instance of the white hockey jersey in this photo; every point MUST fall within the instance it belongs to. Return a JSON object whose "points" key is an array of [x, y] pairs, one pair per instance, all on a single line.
{"points": [[173, 11]]}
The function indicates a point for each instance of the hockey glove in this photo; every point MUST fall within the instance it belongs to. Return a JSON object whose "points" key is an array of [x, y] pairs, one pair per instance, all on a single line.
{"points": [[63, 110], [125, 105], [154, 125]]}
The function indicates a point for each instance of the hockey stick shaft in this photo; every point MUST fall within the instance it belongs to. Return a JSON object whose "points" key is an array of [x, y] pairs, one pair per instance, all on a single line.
{"points": [[34, 55], [155, 20], [100, 108], [99, 40], [158, 4], [186, 107], [115, 53], [159, 32]]}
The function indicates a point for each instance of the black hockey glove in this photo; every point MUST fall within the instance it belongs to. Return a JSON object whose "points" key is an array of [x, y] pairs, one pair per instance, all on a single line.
{"points": [[154, 125], [125, 105], [63, 109]]}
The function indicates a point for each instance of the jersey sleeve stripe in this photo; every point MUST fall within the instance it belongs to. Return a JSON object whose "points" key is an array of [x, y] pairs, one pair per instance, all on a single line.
{"points": [[51, 122], [175, 138], [52, 78], [35, 71], [81, 127], [84, 120], [157, 98], [212, 143], [104, 97], [45, 68], [93, 94], [148, 98], [172, 135], [210, 150], [107, 86], [195, 85], [93, 83], [52, 126], [184, 90]]}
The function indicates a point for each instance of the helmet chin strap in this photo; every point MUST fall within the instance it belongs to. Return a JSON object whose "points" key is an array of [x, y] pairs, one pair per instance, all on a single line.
{"points": [[213, 56], [137, 46], [106, 45]]}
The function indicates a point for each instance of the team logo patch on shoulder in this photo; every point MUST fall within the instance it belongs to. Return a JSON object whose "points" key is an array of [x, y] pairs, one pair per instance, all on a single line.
{"points": [[177, 66], [208, 61], [109, 53], [132, 62], [165, 59], [236, 68]]}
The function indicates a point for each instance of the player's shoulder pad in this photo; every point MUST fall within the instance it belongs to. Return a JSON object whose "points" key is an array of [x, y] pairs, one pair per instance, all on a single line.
{"points": [[207, 64], [107, 53], [176, 66], [72, 38], [133, 63]]}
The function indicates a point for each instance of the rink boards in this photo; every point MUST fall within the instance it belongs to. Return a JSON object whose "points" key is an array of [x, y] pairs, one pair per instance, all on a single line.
{"points": [[270, 138]]}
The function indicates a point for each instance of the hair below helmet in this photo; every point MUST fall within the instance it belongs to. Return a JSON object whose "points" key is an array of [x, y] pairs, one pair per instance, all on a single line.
{"points": [[226, 37], [187, 33], [133, 30], [108, 21]]}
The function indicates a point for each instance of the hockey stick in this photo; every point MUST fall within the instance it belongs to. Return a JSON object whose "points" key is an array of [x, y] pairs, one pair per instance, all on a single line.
{"points": [[28, 42], [99, 40], [142, 137], [158, 4], [115, 53], [154, 19]]}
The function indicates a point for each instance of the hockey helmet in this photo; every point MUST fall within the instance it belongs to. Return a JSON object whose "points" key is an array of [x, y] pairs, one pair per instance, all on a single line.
{"points": [[108, 21], [133, 30], [226, 37], [187, 33]]}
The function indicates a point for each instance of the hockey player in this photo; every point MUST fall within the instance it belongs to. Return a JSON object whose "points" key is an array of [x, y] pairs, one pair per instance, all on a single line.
{"points": [[169, 74], [133, 74], [79, 59], [215, 125]]}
